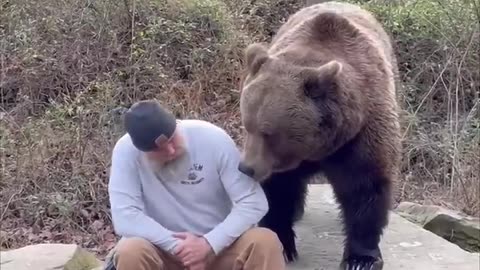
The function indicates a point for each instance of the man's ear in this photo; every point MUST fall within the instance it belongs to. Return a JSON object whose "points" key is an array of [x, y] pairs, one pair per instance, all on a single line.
{"points": [[160, 140], [318, 82], [255, 55]]}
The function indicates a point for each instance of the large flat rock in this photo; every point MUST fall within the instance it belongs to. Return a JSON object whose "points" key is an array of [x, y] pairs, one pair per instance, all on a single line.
{"points": [[456, 227], [405, 245], [48, 257]]}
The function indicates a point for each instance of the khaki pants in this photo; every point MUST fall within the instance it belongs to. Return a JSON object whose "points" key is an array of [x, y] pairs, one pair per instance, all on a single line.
{"points": [[257, 249]]}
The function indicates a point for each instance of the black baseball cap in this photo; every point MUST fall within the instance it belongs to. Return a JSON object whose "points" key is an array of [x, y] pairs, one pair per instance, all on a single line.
{"points": [[147, 120]]}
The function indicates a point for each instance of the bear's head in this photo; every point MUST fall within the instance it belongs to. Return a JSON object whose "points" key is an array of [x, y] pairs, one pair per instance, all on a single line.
{"points": [[290, 113]]}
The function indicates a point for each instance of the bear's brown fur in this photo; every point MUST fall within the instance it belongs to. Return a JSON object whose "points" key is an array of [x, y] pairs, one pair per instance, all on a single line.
{"points": [[321, 97]]}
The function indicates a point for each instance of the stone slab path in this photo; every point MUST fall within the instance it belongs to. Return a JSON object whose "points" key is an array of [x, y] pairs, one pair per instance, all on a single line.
{"points": [[405, 245]]}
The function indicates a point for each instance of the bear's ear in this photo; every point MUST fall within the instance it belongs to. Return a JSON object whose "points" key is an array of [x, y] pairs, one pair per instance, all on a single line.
{"points": [[318, 82], [255, 55]]}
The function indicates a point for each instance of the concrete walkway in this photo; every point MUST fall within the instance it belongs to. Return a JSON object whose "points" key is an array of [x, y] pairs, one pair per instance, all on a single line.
{"points": [[405, 245]]}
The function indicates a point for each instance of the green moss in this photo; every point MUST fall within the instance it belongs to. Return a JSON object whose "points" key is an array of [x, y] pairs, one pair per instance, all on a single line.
{"points": [[82, 260]]}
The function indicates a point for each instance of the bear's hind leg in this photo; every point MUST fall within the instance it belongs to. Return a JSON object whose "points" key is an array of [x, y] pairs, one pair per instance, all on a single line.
{"points": [[286, 197], [364, 203]]}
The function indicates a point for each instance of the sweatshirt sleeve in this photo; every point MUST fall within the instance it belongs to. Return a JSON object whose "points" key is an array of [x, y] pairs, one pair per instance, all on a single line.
{"points": [[249, 200], [127, 207]]}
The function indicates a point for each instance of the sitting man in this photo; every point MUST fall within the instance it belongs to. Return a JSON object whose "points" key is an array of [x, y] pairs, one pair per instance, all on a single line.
{"points": [[179, 201]]}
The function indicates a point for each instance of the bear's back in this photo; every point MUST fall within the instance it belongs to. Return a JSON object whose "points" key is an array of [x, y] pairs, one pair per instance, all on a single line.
{"points": [[300, 26]]}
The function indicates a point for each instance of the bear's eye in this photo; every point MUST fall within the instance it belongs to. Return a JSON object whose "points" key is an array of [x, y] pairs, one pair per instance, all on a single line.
{"points": [[271, 142], [266, 135]]}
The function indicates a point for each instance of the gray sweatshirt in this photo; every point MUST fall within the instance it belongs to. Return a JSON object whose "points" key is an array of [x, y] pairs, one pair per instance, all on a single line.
{"points": [[204, 193]]}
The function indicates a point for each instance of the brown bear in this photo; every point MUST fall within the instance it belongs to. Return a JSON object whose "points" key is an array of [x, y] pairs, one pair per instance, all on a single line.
{"points": [[321, 98]]}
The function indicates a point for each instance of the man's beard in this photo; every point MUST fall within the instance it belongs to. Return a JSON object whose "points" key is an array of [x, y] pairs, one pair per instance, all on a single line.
{"points": [[173, 170]]}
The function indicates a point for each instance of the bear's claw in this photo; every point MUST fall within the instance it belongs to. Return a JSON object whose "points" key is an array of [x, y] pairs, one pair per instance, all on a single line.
{"points": [[291, 255], [362, 263], [287, 238]]}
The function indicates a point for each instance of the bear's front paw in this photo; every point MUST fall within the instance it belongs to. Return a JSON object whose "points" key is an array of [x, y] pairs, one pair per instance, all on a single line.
{"points": [[362, 263], [358, 257], [291, 254], [287, 237]]}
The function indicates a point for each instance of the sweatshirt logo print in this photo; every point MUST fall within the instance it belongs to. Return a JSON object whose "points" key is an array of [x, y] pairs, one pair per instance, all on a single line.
{"points": [[192, 175]]}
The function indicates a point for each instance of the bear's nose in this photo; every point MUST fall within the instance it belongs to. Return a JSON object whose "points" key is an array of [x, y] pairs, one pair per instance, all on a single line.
{"points": [[245, 169]]}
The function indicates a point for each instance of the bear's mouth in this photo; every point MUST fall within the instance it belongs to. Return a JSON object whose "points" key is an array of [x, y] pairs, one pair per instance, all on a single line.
{"points": [[285, 164]]}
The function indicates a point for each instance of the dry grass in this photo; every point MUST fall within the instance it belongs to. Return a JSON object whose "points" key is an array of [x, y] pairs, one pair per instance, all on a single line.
{"points": [[438, 43], [68, 67]]}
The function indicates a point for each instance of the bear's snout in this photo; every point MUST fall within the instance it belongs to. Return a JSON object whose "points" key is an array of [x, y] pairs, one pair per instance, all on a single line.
{"points": [[249, 171]]}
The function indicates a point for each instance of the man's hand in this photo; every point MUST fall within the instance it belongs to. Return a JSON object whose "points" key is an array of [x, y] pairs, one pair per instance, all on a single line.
{"points": [[198, 266], [193, 250]]}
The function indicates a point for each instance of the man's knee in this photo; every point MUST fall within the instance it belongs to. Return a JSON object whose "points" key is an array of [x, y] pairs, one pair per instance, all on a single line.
{"points": [[257, 248], [134, 249], [263, 239]]}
